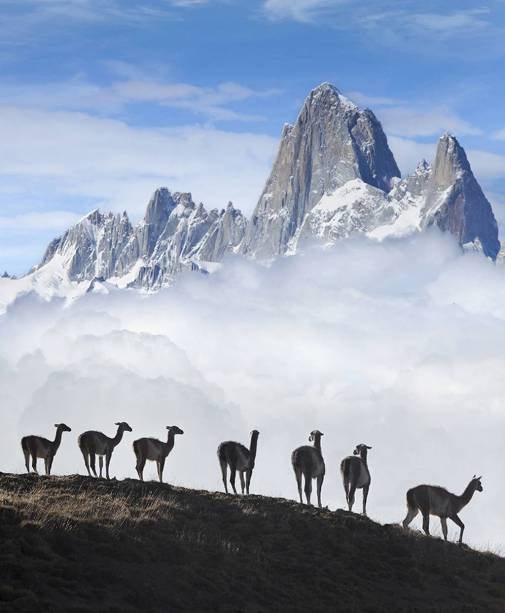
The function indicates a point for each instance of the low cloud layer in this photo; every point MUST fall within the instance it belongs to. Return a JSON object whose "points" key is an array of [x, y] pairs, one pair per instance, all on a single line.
{"points": [[398, 345]]}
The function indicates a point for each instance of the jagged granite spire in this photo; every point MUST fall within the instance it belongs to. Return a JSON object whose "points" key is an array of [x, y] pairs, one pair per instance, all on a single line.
{"points": [[332, 142], [157, 213], [174, 234], [92, 247], [455, 201]]}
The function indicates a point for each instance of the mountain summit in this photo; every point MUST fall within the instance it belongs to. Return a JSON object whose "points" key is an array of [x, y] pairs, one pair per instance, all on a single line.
{"points": [[332, 142], [334, 176], [455, 201], [175, 234]]}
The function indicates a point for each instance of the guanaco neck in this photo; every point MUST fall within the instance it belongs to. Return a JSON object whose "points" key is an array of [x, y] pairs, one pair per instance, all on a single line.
{"points": [[466, 496], [170, 441], [317, 442], [363, 455], [57, 439], [253, 446], [119, 435]]}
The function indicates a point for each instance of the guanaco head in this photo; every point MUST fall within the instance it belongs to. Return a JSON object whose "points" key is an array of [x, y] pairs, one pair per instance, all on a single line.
{"points": [[63, 427], [123, 426], [314, 434], [175, 429], [477, 485], [361, 449]]}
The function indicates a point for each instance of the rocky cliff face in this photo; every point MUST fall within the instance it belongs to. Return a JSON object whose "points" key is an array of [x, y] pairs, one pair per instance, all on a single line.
{"points": [[334, 176], [174, 234], [455, 201], [445, 195], [332, 142]]}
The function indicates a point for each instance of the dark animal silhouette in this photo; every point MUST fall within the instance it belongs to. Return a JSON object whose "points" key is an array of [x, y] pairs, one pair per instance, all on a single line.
{"points": [[93, 443], [154, 450], [308, 461], [40, 447], [355, 475], [435, 500], [238, 458]]}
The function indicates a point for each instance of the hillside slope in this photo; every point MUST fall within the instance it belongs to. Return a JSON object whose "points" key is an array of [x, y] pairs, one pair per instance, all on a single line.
{"points": [[77, 544]]}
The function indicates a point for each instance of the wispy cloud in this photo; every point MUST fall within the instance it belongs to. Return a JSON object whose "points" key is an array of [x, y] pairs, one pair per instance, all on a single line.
{"points": [[402, 16], [412, 121], [487, 165], [85, 10], [299, 10], [401, 118], [27, 19], [116, 166], [499, 134], [372, 101], [188, 3], [83, 95], [456, 21], [55, 221]]}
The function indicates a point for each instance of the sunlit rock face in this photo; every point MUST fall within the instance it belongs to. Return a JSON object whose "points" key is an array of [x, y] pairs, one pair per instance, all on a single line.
{"points": [[332, 142], [174, 234]]}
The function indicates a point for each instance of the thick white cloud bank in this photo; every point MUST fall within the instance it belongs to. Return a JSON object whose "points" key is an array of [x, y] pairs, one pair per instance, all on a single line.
{"points": [[399, 345]]}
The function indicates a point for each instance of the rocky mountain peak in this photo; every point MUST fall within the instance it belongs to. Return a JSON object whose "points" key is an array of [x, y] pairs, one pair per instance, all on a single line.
{"points": [[332, 142], [175, 234], [455, 201], [450, 161], [159, 207], [183, 199], [325, 96], [423, 167]]}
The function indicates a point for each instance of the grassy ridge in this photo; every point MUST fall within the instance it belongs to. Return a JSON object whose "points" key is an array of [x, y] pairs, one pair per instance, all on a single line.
{"points": [[78, 544]]}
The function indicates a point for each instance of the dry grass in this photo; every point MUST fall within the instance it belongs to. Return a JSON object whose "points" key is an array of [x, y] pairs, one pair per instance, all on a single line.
{"points": [[78, 544]]}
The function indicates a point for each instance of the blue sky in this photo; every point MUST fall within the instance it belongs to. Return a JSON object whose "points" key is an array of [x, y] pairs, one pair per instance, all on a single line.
{"points": [[102, 101]]}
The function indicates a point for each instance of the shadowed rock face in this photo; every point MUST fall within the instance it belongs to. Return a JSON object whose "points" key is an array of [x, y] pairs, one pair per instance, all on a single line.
{"points": [[455, 201], [93, 247], [158, 211], [331, 143]]}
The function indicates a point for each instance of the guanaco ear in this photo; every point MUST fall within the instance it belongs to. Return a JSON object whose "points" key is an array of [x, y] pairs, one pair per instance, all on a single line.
{"points": [[479, 478], [56, 425], [311, 437], [367, 446], [118, 423]]}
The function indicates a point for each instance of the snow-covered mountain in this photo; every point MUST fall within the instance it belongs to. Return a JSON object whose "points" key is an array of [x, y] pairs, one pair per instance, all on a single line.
{"points": [[174, 234], [334, 176], [446, 195], [332, 142]]}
